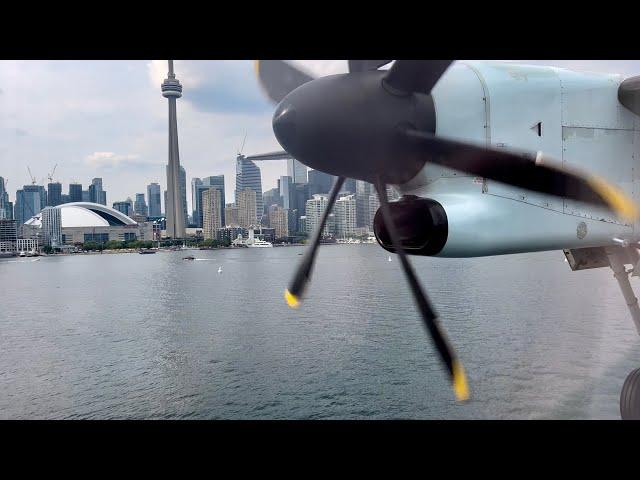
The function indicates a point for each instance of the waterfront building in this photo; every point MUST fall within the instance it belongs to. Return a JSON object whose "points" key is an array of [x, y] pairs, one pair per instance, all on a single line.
{"points": [[27, 244], [54, 194], [51, 221], [267, 234], [374, 204], [84, 222], [211, 208], [247, 208], [65, 198], [153, 196], [279, 221], [140, 206], [345, 216], [313, 211], [229, 234], [96, 193], [174, 205], [75, 192], [8, 237], [85, 196], [248, 176]]}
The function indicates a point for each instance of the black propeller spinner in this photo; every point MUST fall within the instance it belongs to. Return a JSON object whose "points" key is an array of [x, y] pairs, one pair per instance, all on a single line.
{"points": [[379, 126]]}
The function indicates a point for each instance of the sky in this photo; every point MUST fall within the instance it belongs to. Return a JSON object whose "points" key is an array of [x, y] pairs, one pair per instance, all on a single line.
{"points": [[108, 119]]}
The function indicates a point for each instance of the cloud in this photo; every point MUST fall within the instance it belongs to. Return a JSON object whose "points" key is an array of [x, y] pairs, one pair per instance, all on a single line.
{"points": [[111, 160]]}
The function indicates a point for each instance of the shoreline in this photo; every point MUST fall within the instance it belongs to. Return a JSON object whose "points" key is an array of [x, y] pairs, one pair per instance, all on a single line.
{"points": [[168, 250]]}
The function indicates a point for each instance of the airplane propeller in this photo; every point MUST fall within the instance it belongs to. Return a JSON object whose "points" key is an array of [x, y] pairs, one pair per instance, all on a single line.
{"points": [[379, 126]]}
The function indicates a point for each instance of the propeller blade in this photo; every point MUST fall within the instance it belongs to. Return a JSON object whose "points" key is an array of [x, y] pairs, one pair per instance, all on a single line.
{"points": [[364, 65], [527, 171], [293, 295], [278, 78], [415, 75], [456, 371]]}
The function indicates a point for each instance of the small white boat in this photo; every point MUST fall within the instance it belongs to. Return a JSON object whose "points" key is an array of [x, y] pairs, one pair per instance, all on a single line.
{"points": [[259, 244], [219, 269], [389, 259]]}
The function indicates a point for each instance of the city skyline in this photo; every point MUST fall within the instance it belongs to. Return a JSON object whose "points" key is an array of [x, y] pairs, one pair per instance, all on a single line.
{"points": [[119, 134]]}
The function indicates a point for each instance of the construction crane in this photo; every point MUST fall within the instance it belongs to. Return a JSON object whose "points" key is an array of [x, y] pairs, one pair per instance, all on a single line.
{"points": [[33, 179], [50, 176]]}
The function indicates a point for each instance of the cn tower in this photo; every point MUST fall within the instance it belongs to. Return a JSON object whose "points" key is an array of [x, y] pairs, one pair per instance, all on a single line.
{"points": [[171, 89]]}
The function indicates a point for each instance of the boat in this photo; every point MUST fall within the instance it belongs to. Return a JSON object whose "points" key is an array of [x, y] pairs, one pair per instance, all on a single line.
{"points": [[219, 269], [259, 244], [190, 257], [22, 253], [146, 251]]}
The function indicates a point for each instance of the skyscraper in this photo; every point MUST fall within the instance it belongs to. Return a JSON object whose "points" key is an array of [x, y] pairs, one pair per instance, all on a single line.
{"points": [[217, 182], [175, 207], [124, 207], [232, 219], [54, 194], [195, 182], [153, 196], [6, 207], [286, 191], [140, 206], [29, 202], [279, 221], [211, 208], [247, 208], [349, 186], [75, 192], [96, 193], [248, 176], [297, 171], [323, 180], [363, 191]]}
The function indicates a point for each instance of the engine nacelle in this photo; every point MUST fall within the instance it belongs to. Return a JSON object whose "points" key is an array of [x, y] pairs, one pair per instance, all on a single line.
{"points": [[421, 224]]}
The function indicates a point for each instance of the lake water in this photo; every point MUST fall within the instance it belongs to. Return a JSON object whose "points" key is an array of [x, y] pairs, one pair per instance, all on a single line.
{"points": [[153, 337]]}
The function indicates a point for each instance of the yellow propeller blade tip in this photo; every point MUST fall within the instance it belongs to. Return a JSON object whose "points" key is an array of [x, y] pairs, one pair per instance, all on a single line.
{"points": [[291, 299], [256, 67], [616, 198], [460, 386]]}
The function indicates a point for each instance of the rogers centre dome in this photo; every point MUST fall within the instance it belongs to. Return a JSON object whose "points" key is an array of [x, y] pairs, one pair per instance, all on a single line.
{"points": [[86, 214], [82, 222]]}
